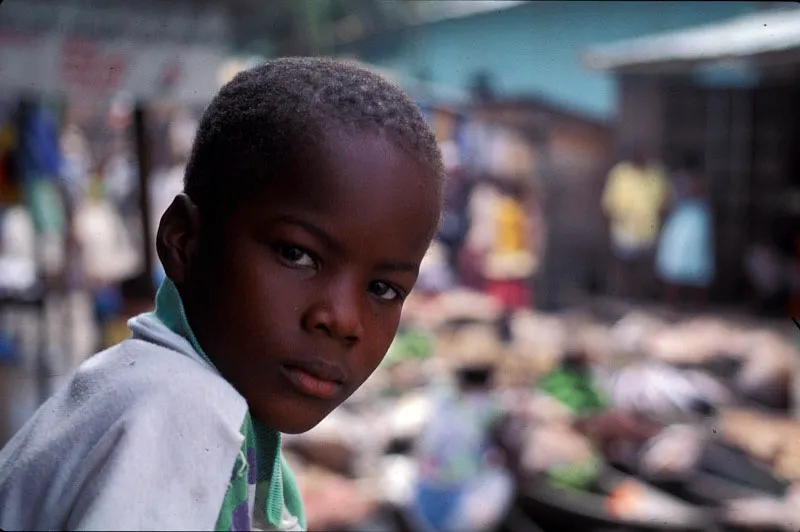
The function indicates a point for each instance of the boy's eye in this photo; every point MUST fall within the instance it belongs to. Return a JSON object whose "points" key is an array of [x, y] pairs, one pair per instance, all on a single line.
{"points": [[385, 291], [296, 257]]}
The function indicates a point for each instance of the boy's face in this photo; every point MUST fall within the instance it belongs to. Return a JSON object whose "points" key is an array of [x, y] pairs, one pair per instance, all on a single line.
{"points": [[299, 295]]}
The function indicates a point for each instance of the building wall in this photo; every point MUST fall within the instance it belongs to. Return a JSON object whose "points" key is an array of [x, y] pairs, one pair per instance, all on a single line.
{"points": [[535, 48], [578, 157], [640, 115], [745, 136], [572, 158]]}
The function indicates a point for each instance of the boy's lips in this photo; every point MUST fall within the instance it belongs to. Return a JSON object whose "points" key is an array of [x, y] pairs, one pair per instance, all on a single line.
{"points": [[319, 379]]}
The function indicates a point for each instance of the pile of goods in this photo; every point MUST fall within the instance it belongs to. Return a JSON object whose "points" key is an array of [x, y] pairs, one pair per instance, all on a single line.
{"points": [[771, 439], [661, 424], [574, 390]]}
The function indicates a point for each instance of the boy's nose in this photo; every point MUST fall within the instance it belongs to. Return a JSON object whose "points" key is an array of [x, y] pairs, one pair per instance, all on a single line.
{"points": [[337, 315]]}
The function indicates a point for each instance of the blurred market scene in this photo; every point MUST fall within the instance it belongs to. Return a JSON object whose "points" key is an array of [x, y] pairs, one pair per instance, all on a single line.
{"points": [[601, 336]]}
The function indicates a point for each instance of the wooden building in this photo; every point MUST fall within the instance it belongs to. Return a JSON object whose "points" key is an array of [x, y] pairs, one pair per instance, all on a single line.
{"points": [[730, 91], [571, 154]]}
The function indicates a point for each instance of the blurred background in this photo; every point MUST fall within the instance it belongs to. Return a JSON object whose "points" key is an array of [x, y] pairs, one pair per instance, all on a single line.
{"points": [[615, 273]]}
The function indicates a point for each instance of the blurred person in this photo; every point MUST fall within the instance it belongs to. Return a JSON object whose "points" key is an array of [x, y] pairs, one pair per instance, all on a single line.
{"points": [[510, 262], [455, 218], [766, 271], [685, 257], [480, 235], [460, 486], [312, 193], [634, 196]]}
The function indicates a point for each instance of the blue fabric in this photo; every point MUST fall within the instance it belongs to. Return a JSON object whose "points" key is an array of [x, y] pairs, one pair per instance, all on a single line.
{"points": [[107, 302], [438, 504], [452, 447], [686, 248], [40, 167], [8, 350], [40, 154]]}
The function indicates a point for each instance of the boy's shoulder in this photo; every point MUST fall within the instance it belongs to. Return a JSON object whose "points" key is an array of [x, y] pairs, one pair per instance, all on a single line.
{"points": [[126, 414], [138, 375], [132, 385]]}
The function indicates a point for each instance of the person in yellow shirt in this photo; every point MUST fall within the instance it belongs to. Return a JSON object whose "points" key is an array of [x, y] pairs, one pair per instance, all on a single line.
{"points": [[511, 224], [510, 262], [634, 197]]}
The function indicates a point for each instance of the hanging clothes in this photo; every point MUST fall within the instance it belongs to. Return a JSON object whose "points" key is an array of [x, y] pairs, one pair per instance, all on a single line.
{"points": [[40, 152], [109, 255], [76, 162], [41, 171], [40, 165]]}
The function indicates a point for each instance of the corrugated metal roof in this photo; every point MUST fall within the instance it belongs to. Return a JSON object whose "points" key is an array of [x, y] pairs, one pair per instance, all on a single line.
{"points": [[773, 31], [436, 10]]}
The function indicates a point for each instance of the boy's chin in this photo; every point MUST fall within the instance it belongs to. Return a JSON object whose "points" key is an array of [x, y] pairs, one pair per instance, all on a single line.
{"points": [[297, 426], [294, 420]]}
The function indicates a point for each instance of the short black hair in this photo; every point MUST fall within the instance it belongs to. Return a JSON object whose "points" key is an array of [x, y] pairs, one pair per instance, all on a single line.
{"points": [[262, 123]]}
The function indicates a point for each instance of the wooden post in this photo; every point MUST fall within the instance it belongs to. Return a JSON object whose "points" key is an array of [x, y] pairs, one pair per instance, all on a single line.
{"points": [[145, 167]]}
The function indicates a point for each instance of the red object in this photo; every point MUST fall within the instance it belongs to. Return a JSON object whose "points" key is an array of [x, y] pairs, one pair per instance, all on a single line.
{"points": [[512, 294]]}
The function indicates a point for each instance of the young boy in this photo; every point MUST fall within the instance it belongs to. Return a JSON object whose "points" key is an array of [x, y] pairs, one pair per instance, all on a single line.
{"points": [[312, 193]]}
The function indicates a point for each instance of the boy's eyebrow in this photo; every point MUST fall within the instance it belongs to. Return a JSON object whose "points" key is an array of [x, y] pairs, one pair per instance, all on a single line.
{"points": [[336, 246], [316, 231], [398, 266]]}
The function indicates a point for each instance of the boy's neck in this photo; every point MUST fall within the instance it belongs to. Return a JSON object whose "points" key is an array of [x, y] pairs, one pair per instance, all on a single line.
{"points": [[171, 312]]}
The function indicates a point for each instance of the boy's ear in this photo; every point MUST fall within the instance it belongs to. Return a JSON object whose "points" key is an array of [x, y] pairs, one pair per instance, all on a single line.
{"points": [[178, 238]]}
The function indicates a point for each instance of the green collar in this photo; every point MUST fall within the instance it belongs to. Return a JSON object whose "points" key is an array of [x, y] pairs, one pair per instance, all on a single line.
{"points": [[170, 311]]}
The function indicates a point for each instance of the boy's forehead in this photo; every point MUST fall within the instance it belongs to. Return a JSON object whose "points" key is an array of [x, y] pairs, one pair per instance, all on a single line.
{"points": [[350, 167], [362, 182]]}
